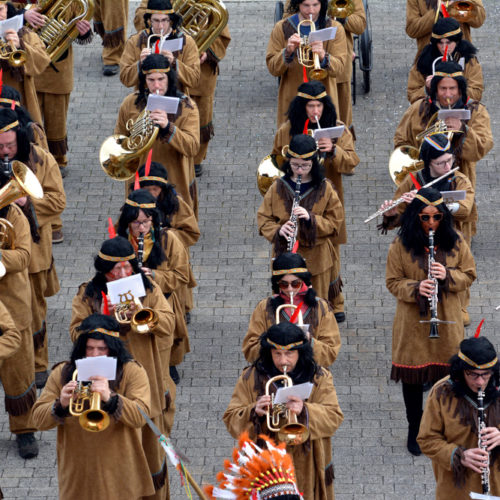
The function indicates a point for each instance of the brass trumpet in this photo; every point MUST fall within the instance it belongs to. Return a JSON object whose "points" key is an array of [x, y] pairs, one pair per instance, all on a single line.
{"points": [[464, 11], [15, 57], [142, 321], [340, 8], [305, 55], [93, 419], [292, 433]]}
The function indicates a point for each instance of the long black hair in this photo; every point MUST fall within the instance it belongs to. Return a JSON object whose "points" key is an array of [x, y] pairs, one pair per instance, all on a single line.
{"points": [[23, 135], [293, 8]]}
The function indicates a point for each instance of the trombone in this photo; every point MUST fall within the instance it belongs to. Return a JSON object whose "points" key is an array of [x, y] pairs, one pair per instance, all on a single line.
{"points": [[93, 419], [305, 55]]}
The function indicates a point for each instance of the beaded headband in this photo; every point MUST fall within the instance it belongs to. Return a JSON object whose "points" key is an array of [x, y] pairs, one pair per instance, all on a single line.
{"points": [[447, 35], [153, 178], [430, 203], [9, 101], [112, 258], [9, 126], [288, 152], [449, 75], [151, 11], [435, 145], [313, 97], [139, 205], [155, 70], [295, 270], [111, 333], [469, 361], [287, 347]]}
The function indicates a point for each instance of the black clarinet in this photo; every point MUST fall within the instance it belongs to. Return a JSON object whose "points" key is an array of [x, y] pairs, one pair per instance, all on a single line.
{"points": [[293, 217], [481, 424], [140, 249]]}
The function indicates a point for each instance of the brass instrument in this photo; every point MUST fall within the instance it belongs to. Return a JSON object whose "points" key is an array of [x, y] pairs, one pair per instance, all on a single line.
{"points": [[268, 171], [464, 11], [120, 156], [403, 160], [22, 183], [15, 57], [434, 126], [93, 419], [300, 322], [161, 37], [292, 433], [202, 20], [305, 55], [340, 8], [58, 33], [143, 320]]}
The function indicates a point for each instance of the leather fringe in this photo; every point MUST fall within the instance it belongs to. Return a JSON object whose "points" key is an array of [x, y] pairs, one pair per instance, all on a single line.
{"points": [[459, 471], [207, 132], [160, 477], [335, 288], [20, 405], [40, 336], [110, 39], [168, 400], [58, 148], [329, 474], [420, 376]]}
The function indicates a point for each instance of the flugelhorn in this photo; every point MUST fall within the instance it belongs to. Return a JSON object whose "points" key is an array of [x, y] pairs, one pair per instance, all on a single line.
{"points": [[15, 57], [305, 55], [292, 432], [340, 8], [143, 320], [93, 419]]}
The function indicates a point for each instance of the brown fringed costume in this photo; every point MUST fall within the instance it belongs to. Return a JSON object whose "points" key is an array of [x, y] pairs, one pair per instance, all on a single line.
{"points": [[291, 72], [315, 237], [322, 415], [175, 146], [117, 451], [449, 426], [147, 350], [469, 147], [420, 15], [416, 359], [187, 62], [325, 335]]}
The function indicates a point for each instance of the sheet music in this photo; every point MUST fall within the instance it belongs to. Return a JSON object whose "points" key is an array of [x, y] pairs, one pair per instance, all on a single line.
{"points": [[14, 23], [302, 391], [167, 104], [102, 366], [450, 196], [126, 287], [172, 45], [460, 114], [330, 133], [323, 35]]}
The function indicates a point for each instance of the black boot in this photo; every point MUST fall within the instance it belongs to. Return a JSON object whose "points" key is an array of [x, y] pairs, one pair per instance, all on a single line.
{"points": [[411, 443], [413, 395], [174, 374]]}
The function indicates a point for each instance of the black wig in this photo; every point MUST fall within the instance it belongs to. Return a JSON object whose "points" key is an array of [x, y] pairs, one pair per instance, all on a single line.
{"points": [[175, 19], [152, 62]]}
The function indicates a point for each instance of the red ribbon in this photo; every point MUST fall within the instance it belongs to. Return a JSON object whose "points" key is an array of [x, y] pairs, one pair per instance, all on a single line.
{"points": [[105, 306], [148, 162], [111, 228], [415, 182], [295, 315]]}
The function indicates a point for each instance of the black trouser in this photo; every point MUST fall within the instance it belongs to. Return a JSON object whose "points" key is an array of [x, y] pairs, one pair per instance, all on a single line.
{"points": [[413, 395]]}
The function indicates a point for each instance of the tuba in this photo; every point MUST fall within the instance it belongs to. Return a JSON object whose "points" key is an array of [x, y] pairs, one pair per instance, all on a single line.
{"points": [[58, 33], [93, 419], [292, 433], [305, 55], [202, 20], [142, 321], [120, 156], [340, 8], [22, 183]]}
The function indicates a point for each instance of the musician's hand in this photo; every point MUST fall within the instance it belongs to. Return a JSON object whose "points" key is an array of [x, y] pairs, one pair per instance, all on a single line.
{"points": [[428, 81], [159, 117], [101, 385], [168, 55], [83, 27], [392, 212], [426, 288], [34, 18], [147, 271], [292, 44], [438, 271], [287, 229], [317, 48], [475, 459], [22, 201], [12, 37], [67, 393], [262, 405], [453, 124], [145, 52], [295, 404], [203, 57], [301, 213], [325, 145], [491, 437]]}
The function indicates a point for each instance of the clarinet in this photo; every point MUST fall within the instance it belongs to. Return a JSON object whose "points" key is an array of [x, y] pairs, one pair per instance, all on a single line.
{"points": [[293, 218], [140, 249], [481, 424], [433, 299]]}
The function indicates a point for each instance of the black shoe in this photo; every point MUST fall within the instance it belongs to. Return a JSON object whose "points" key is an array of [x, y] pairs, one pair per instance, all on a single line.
{"points": [[187, 317], [41, 379], [411, 443], [340, 317], [64, 171], [198, 170], [174, 374], [57, 237], [110, 69], [27, 445]]}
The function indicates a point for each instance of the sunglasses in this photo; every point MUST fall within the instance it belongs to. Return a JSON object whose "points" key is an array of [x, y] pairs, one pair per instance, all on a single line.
{"points": [[427, 217], [285, 284], [476, 376]]}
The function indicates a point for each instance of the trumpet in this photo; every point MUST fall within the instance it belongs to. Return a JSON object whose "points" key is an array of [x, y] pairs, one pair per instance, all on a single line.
{"points": [[15, 57], [292, 432], [161, 37], [142, 321], [305, 55], [93, 419]]}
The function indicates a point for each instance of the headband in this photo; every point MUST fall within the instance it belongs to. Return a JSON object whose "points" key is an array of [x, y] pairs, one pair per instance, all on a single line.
{"points": [[446, 35], [286, 151], [111, 333], [140, 205], [153, 178], [428, 139], [9, 101], [151, 11], [430, 203], [287, 347], [295, 270], [155, 70], [112, 258], [9, 126], [449, 75], [469, 361], [313, 97]]}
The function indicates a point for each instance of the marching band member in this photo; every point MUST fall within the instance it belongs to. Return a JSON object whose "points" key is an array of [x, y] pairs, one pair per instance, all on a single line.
{"points": [[179, 136], [449, 90], [284, 347], [291, 279], [118, 449], [319, 216], [165, 261], [416, 358], [421, 16], [110, 23], [446, 37], [161, 20], [281, 57], [115, 260], [449, 433]]}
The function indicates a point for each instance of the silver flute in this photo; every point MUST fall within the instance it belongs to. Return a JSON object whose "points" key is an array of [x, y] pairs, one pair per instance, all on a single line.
{"points": [[397, 202], [481, 424], [293, 218]]}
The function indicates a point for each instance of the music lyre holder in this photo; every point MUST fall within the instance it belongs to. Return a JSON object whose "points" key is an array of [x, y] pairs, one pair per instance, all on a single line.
{"points": [[435, 321]]}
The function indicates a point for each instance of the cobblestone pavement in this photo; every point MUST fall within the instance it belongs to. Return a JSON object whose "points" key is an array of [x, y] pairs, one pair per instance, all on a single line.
{"points": [[231, 261]]}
